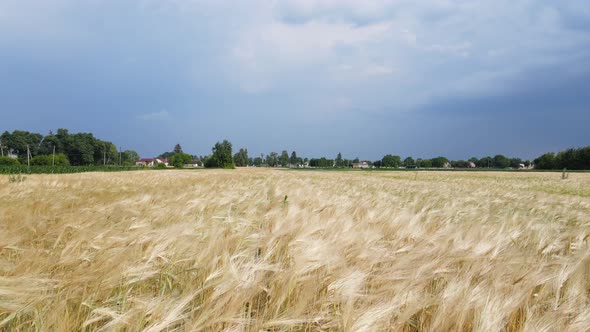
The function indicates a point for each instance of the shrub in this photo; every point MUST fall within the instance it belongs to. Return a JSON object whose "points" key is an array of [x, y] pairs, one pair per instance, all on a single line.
{"points": [[6, 161], [47, 160], [180, 159]]}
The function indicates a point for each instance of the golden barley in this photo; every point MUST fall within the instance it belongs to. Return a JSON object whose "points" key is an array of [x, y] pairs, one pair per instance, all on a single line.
{"points": [[269, 250]]}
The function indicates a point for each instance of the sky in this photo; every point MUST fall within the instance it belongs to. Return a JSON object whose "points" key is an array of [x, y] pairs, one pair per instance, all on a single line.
{"points": [[457, 78]]}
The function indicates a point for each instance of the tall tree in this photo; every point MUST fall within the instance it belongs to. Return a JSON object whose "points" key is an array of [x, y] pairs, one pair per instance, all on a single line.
{"points": [[80, 149], [409, 162], [129, 157], [439, 162], [180, 159], [50, 144], [221, 156], [105, 153], [257, 161], [390, 161], [284, 158], [501, 161], [485, 162], [272, 159], [21, 141], [294, 160], [339, 161], [241, 158], [546, 161], [177, 148]]}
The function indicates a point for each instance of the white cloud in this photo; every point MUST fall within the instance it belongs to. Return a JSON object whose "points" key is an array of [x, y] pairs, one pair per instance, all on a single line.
{"points": [[400, 52], [263, 52], [382, 54]]}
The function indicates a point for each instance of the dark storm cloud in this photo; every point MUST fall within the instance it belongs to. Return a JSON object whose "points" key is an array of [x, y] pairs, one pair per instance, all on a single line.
{"points": [[365, 78]]}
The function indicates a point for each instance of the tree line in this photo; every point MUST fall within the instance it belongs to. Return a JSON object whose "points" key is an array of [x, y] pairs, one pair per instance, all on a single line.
{"points": [[83, 149], [574, 159], [61, 149]]}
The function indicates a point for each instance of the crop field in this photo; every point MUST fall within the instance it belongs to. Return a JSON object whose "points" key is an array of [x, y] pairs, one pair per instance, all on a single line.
{"points": [[273, 250]]}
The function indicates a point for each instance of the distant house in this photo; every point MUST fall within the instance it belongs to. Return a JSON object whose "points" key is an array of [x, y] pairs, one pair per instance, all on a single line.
{"points": [[471, 164], [194, 164], [151, 162], [447, 165], [361, 164]]}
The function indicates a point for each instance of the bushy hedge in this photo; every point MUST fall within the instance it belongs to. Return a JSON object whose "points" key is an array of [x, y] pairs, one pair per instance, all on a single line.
{"points": [[5, 161], [48, 160]]}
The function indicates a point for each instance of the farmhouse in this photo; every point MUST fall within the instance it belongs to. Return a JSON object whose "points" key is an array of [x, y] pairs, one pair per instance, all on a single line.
{"points": [[194, 164], [151, 162], [361, 164]]}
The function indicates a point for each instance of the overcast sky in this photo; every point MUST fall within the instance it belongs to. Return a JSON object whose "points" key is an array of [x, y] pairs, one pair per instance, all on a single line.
{"points": [[366, 78]]}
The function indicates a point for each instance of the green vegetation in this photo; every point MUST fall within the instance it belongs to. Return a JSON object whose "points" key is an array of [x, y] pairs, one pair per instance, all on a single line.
{"points": [[180, 159], [23, 169], [6, 161], [572, 159], [80, 149], [241, 158], [221, 156], [83, 149], [50, 160]]}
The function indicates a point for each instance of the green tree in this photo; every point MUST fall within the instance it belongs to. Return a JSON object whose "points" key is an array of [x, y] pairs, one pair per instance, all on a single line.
{"points": [[485, 162], [221, 156], [257, 161], [284, 159], [390, 161], [80, 149], [409, 162], [105, 153], [515, 162], [177, 148], [460, 163], [425, 163], [51, 143], [546, 161], [501, 161], [439, 162], [339, 161], [19, 140], [294, 160], [241, 158], [62, 135], [180, 159], [272, 160], [321, 162], [129, 157]]}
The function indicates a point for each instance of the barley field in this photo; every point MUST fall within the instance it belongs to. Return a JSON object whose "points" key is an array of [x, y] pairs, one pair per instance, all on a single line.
{"points": [[274, 250]]}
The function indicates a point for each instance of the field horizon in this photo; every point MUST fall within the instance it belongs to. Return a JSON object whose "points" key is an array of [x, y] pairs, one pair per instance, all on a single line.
{"points": [[271, 250]]}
